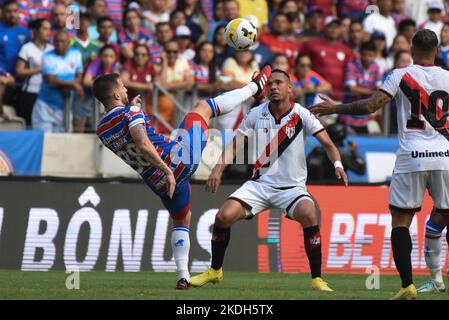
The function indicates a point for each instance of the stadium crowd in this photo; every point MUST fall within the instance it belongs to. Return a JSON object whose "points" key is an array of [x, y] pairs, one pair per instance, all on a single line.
{"points": [[52, 50]]}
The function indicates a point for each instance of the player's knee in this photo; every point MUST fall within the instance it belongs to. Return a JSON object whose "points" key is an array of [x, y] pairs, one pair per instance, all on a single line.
{"points": [[305, 214], [224, 219]]}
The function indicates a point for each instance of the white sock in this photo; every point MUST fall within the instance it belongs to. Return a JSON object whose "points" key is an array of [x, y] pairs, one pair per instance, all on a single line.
{"points": [[227, 101], [432, 249], [180, 243]]}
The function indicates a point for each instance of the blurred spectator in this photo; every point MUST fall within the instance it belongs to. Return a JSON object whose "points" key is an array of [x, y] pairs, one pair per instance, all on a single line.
{"points": [[407, 28], [399, 11], [382, 21], [205, 71], [363, 77], [105, 29], [33, 9], [402, 59], [183, 37], [222, 50], [435, 12], [355, 38], [6, 79], [239, 69], [345, 24], [177, 18], [164, 34], [378, 38], [319, 167], [327, 6], [231, 10], [273, 7], [261, 53], [12, 36], [62, 70], [278, 38], [155, 11], [138, 74], [83, 108], [88, 48], [352, 9], [114, 9], [96, 10], [294, 26], [444, 44], [280, 61], [314, 24], [59, 19], [416, 10], [175, 74], [219, 10], [330, 56], [309, 81], [400, 44], [132, 33], [257, 8], [196, 19], [29, 66]]}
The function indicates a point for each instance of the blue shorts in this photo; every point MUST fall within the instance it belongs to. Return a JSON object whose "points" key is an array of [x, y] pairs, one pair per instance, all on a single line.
{"points": [[192, 141]]}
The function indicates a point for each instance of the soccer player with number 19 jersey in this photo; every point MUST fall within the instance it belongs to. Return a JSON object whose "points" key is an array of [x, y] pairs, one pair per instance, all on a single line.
{"points": [[421, 92]]}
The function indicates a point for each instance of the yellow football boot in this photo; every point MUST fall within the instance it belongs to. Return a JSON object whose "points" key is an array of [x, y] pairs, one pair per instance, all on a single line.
{"points": [[320, 285], [408, 293], [210, 275]]}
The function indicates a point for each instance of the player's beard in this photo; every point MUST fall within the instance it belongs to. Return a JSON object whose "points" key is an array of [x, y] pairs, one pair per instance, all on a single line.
{"points": [[125, 100]]}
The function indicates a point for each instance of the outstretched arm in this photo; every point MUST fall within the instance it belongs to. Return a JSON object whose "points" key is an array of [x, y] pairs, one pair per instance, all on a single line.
{"points": [[146, 148], [332, 154], [365, 106]]}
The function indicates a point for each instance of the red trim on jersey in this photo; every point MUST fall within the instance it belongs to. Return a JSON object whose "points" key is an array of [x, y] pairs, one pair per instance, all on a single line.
{"points": [[424, 64], [276, 141]]}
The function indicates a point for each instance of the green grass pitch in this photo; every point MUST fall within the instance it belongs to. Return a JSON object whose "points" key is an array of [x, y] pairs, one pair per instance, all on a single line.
{"points": [[151, 285]]}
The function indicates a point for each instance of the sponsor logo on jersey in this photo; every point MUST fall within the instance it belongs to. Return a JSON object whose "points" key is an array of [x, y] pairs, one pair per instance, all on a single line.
{"points": [[430, 154]]}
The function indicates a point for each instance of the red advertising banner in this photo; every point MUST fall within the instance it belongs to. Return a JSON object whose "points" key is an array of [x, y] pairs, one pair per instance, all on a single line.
{"points": [[355, 230]]}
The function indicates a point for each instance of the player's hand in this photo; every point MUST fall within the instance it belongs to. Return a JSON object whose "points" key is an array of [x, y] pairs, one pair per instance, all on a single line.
{"points": [[78, 89], [137, 100], [214, 181], [324, 108], [341, 175], [170, 183]]}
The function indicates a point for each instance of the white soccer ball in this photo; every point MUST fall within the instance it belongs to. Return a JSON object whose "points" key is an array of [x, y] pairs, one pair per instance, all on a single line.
{"points": [[240, 34]]}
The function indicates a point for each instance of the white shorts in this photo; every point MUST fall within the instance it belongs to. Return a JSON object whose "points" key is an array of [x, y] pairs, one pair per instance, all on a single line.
{"points": [[257, 197], [407, 190]]}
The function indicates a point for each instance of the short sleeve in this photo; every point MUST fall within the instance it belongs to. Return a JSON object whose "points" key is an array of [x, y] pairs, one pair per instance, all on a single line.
{"points": [[248, 123], [92, 69], [23, 53], [78, 62], [391, 83], [311, 124], [351, 75], [135, 116]]}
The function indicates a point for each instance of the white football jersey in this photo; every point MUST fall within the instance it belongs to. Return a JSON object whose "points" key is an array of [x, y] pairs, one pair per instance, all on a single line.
{"points": [[422, 100], [278, 147]]}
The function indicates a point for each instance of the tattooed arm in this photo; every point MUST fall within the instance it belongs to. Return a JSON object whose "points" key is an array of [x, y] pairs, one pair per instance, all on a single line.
{"points": [[365, 106]]}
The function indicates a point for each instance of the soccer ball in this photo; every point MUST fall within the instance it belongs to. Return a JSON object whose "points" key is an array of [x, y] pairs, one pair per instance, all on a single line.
{"points": [[240, 34]]}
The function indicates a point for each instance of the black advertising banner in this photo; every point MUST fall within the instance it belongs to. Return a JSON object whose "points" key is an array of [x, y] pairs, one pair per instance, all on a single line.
{"points": [[56, 225]]}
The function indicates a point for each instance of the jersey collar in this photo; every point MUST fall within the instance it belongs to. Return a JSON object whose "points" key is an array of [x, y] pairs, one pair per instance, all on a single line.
{"points": [[115, 108], [292, 104]]}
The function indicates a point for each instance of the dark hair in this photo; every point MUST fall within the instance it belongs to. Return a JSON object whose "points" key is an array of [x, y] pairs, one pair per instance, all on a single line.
{"points": [[220, 26], [84, 15], [36, 24], [182, 5], [106, 47], [172, 14], [91, 3], [125, 13], [164, 23], [215, 8], [353, 22], [212, 65], [8, 3], [299, 57], [398, 54], [425, 41], [104, 85], [405, 24], [281, 71], [103, 19], [278, 55], [142, 45], [368, 46]]}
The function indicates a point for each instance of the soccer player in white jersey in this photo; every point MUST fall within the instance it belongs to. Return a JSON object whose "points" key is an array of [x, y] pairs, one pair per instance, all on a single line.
{"points": [[421, 94], [279, 178]]}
